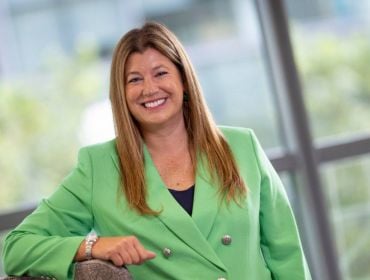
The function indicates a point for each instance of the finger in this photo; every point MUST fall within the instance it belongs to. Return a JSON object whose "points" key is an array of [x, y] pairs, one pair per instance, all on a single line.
{"points": [[117, 260], [143, 253], [150, 255], [125, 256], [133, 253]]}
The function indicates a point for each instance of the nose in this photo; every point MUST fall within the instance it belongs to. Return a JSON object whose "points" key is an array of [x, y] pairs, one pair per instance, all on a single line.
{"points": [[150, 87]]}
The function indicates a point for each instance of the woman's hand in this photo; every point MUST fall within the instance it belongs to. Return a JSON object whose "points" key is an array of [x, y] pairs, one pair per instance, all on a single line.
{"points": [[119, 250]]}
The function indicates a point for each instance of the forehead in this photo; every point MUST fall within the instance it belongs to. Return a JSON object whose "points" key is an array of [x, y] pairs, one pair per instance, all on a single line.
{"points": [[149, 58]]}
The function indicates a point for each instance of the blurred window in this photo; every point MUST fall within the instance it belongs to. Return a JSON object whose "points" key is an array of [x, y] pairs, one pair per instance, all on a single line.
{"points": [[347, 190], [332, 50], [55, 98]]}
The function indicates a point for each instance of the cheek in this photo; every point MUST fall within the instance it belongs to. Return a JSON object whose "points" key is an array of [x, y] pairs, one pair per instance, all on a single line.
{"points": [[130, 96], [130, 101], [175, 87], [133, 110]]}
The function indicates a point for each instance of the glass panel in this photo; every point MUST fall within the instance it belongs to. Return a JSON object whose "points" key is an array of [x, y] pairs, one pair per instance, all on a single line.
{"points": [[347, 190], [332, 48], [55, 99], [223, 40], [292, 186], [286, 178], [40, 24], [45, 104]]}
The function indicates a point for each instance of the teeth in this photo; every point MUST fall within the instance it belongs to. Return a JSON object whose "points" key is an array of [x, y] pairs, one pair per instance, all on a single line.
{"points": [[154, 103]]}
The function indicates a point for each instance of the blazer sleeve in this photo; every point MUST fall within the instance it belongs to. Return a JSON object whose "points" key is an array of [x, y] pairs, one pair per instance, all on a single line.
{"points": [[280, 242], [45, 243]]}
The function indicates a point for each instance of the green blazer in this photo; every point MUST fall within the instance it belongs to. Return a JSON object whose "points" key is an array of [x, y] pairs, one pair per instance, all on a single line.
{"points": [[264, 240]]}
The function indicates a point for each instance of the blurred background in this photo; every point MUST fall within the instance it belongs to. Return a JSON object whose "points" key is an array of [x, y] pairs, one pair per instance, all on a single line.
{"points": [[54, 82]]}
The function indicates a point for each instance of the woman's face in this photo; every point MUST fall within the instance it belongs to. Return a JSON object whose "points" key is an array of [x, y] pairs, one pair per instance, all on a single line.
{"points": [[154, 90]]}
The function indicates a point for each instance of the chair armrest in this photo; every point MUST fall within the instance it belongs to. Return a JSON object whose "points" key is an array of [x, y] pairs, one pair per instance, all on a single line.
{"points": [[99, 270], [88, 270]]}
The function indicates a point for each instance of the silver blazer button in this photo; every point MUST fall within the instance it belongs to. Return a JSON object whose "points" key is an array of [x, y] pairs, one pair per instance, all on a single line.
{"points": [[167, 252], [226, 239]]}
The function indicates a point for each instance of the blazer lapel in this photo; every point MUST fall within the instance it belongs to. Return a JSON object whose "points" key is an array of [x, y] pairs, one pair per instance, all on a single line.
{"points": [[206, 200], [193, 232], [174, 216]]}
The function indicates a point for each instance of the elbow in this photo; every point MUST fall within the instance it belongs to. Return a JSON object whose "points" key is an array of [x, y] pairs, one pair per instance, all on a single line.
{"points": [[10, 259], [5, 258]]}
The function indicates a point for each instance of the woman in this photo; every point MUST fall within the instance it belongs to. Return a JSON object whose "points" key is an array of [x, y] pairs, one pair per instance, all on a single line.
{"points": [[173, 196]]}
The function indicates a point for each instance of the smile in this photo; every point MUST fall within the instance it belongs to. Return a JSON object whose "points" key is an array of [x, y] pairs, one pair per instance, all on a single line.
{"points": [[154, 104]]}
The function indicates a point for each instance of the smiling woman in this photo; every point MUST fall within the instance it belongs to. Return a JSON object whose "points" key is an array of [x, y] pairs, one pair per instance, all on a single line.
{"points": [[154, 90], [173, 196]]}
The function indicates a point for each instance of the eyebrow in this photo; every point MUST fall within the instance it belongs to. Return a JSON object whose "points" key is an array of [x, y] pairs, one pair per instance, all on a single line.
{"points": [[154, 68], [132, 73], [160, 66]]}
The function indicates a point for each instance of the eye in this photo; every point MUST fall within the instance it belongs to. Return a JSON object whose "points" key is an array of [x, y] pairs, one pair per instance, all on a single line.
{"points": [[161, 73], [133, 80]]}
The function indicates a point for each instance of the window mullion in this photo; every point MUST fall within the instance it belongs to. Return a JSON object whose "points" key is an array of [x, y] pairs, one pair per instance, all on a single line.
{"points": [[295, 126]]}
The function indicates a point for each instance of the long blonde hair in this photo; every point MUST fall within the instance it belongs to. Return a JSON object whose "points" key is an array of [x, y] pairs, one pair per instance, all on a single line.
{"points": [[204, 137]]}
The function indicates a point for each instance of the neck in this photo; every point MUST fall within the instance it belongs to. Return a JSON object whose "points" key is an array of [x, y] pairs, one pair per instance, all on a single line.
{"points": [[167, 139]]}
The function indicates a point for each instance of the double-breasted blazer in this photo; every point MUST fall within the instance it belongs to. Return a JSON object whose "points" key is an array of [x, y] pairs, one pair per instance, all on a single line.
{"points": [[256, 240]]}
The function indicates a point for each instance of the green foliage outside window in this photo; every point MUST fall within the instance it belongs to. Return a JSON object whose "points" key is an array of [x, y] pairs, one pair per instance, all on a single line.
{"points": [[39, 124], [335, 75]]}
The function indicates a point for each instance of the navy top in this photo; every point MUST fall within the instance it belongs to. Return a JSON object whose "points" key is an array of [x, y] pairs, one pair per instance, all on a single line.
{"points": [[184, 198]]}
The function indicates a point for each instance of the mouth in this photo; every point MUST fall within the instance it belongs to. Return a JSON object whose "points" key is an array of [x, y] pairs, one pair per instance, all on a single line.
{"points": [[154, 103]]}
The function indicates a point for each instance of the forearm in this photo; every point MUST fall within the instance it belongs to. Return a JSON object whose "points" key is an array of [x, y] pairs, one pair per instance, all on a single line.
{"points": [[31, 254]]}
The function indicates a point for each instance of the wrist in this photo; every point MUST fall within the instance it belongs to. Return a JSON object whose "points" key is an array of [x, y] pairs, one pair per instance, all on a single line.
{"points": [[90, 241]]}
